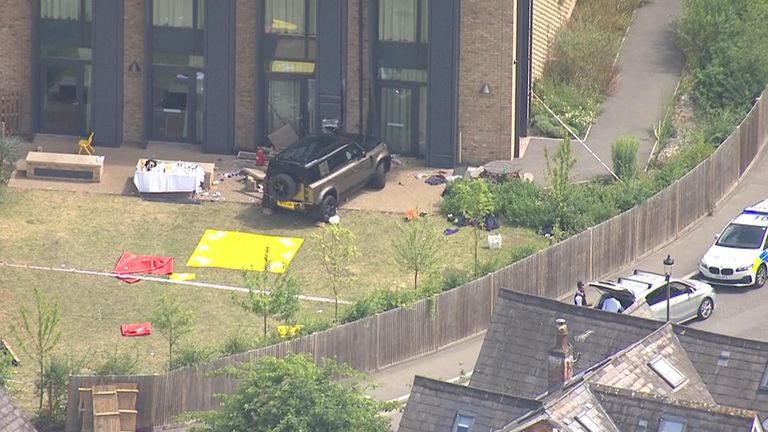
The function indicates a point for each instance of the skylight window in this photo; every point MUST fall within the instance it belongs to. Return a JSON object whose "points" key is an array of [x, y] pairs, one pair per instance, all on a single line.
{"points": [[463, 423], [664, 368], [671, 424], [588, 423], [764, 381]]}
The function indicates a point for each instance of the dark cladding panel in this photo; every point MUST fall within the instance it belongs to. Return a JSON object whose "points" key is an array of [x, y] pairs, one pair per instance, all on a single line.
{"points": [[442, 110], [107, 78], [524, 37], [331, 21], [219, 128]]}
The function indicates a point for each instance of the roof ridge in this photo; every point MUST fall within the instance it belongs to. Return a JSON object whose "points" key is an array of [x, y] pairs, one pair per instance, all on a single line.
{"points": [[435, 384], [742, 342], [699, 406]]}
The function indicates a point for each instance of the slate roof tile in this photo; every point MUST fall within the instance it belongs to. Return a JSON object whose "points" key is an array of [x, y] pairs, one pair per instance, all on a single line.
{"points": [[12, 419]]}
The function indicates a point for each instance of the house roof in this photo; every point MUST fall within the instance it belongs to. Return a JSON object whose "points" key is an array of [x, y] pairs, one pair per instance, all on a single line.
{"points": [[732, 368], [433, 406], [631, 409], [12, 419], [513, 358]]}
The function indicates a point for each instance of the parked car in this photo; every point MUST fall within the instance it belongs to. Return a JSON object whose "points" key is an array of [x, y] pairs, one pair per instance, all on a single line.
{"points": [[689, 299], [314, 174], [738, 257]]}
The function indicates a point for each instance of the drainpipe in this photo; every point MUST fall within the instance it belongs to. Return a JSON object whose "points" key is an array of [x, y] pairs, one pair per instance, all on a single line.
{"points": [[360, 63]]}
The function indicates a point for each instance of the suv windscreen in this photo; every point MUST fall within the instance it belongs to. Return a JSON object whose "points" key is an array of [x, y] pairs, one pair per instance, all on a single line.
{"points": [[742, 236], [307, 149]]}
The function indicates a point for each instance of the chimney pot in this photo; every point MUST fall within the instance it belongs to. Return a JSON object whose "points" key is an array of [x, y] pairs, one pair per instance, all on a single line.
{"points": [[560, 356]]}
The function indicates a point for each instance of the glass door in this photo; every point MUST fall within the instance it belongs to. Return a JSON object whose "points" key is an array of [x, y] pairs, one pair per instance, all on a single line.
{"points": [[65, 98], [177, 97], [403, 119], [288, 104]]}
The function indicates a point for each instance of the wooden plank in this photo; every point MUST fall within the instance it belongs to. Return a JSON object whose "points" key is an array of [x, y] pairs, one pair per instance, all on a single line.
{"points": [[86, 409], [106, 417], [127, 394]]}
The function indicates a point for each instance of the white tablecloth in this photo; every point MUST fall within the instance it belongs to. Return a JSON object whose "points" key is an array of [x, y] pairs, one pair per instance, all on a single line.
{"points": [[157, 181]]}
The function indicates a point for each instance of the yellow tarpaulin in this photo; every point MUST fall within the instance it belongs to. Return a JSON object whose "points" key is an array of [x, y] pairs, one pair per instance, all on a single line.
{"points": [[244, 251]]}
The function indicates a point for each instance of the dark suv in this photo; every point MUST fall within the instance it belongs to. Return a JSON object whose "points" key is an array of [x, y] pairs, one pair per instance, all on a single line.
{"points": [[313, 174]]}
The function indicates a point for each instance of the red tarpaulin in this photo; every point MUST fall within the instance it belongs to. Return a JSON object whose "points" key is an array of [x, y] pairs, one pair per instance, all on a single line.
{"points": [[146, 264], [138, 329]]}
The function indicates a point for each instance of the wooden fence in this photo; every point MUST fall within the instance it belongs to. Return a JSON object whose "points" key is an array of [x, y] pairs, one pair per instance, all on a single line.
{"points": [[428, 325], [10, 113]]}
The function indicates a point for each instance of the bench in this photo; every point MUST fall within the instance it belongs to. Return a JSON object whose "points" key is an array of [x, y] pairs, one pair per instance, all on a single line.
{"points": [[64, 166]]}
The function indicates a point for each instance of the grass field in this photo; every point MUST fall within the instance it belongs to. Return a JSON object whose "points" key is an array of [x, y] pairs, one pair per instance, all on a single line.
{"points": [[90, 232]]}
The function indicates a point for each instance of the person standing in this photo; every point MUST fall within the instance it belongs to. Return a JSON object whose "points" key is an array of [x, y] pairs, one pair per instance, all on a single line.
{"points": [[580, 298]]}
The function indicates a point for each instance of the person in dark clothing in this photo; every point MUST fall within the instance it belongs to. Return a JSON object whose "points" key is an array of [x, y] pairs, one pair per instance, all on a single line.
{"points": [[580, 298]]}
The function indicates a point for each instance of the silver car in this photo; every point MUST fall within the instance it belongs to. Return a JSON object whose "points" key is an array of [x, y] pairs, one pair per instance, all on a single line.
{"points": [[688, 299]]}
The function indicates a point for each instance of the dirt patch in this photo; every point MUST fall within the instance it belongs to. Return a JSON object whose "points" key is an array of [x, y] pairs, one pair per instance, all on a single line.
{"points": [[682, 119]]}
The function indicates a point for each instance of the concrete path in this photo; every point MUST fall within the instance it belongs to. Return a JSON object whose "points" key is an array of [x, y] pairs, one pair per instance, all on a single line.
{"points": [[649, 66]]}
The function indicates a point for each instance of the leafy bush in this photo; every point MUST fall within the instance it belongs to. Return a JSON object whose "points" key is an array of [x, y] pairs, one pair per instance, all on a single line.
{"points": [[117, 363], [624, 156], [236, 343], [380, 300], [687, 158], [9, 154], [192, 355], [521, 203]]}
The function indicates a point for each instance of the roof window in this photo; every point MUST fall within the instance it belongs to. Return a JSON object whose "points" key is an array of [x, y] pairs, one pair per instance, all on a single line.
{"points": [[669, 373], [588, 423], [463, 423], [671, 424]]}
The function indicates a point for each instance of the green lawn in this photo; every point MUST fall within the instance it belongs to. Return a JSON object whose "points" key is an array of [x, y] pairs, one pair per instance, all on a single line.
{"points": [[90, 232]]}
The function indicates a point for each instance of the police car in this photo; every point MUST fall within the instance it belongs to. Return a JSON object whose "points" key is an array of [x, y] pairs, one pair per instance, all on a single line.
{"points": [[738, 257]]}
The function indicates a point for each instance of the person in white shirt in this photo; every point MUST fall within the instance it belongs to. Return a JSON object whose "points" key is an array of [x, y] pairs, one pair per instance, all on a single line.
{"points": [[610, 304]]}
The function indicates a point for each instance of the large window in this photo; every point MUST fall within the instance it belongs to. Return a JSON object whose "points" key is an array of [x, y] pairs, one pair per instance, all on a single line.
{"points": [[289, 51], [178, 77], [178, 13], [403, 20], [65, 34]]}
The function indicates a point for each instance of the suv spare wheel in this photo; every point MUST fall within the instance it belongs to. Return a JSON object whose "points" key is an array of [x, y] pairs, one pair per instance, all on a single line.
{"points": [[282, 187]]}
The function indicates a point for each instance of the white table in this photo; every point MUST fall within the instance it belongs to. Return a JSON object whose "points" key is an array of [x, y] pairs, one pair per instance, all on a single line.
{"points": [[181, 177]]}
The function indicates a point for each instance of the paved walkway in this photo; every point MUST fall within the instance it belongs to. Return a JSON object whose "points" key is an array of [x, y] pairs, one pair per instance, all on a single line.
{"points": [[650, 66]]}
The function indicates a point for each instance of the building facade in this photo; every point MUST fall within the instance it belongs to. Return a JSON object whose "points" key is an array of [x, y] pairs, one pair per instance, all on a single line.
{"points": [[442, 80]]}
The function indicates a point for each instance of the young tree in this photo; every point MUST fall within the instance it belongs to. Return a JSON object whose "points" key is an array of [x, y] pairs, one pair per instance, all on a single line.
{"points": [[560, 191], [416, 248], [270, 294], [173, 321], [55, 382], [39, 334], [292, 394], [337, 251], [475, 202]]}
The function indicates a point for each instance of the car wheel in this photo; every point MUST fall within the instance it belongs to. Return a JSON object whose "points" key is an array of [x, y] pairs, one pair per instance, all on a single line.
{"points": [[379, 178], [705, 308], [282, 187], [327, 208], [761, 276]]}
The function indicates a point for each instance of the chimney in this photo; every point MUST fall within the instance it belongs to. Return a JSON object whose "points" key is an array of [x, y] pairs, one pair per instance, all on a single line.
{"points": [[560, 356]]}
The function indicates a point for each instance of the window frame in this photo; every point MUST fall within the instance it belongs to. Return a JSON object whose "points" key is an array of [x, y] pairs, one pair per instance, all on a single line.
{"points": [[672, 419], [84, 25], [660, 359], [764, 381], [421, 34], [306, 36], [463, 415]]}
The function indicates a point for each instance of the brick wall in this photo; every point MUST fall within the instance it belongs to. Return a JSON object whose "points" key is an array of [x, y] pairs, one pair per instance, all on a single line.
{"points": [[133, 82], [15, 55], [245, 74], [352, 96], [548, 17], [486, 122]]}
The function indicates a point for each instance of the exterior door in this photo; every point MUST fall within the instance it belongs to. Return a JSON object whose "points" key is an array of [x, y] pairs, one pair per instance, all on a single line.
{"points": [[403, 118], [63, 108], [177, 104], [289, 102]]}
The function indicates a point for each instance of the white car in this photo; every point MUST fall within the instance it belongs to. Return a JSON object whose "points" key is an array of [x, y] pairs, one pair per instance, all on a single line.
{"points": [[688, 299], [738, 257]]}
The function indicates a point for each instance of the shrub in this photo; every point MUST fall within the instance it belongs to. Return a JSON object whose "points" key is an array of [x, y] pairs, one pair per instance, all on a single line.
{"points": [[236, 343], [521, 203], [687, 158], [9, 154], [117, 363], [191, 355], [624, 156], [380, 300]]}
